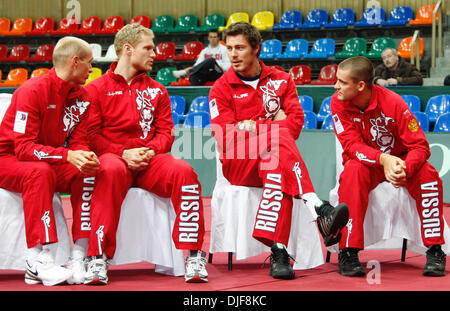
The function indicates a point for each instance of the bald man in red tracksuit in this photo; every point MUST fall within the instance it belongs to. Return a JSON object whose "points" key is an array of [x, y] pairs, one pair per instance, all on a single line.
{"points": [[138, 115], [386, 126]]}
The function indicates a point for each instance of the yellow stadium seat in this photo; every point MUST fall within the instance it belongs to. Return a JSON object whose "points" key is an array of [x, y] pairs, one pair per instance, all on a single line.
{"points": [[236, 17], [96, 73], [263, 20]]}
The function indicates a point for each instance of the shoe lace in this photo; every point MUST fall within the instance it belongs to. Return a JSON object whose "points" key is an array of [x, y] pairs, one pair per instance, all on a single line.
{"points": [[278, 257], [95, 265], [349, 257], [197, 262]]}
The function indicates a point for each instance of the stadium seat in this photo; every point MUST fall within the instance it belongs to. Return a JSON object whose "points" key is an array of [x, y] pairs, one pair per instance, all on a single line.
{"points": [[443, 123], [96, 73], [165, 51], [165, 76], [20, 27], [110, 55], [18, 53], [327, 123], [399, 16], [143, 20], [16, 77], [423, 120], [185, 23], [68, 25], [315, 19], [44, 53], [353, 47], [277, 67], [306, 102], [89, 25], [327, 75], [197, 119], [341, 18], [5, 25], [378, 45], [190, 51], [437, 105], [236, 17], [301, 74], [96, 51], [424, 15], [163, 23], [112, 25], [271, 49], [176, 119], [182, 81], [39, 72], [263, 20], [413, 102], [404, 48], [42, 26], [291, 19], [324, 109], [178, 104], [295, 49], [199, 103], [212, 21], [372, 17], [310, 121], [322, 48], [3, 52]]}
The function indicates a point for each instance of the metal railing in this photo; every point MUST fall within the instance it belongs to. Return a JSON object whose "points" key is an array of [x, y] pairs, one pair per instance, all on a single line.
{"points": [[415, 49], [437, 9]]}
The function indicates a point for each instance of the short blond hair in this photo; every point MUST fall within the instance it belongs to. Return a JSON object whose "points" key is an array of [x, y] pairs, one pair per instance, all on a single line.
{"points": [[130, 34], [68, 47]]}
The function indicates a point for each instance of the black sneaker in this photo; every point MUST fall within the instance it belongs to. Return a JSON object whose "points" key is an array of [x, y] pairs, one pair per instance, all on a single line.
{"points": [[280, 266], [349, 264], [331, 220], [435, 265]]}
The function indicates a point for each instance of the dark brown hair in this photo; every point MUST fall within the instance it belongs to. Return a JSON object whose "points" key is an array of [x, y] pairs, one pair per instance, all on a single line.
{"points": [[250, 32], [360, 68]]}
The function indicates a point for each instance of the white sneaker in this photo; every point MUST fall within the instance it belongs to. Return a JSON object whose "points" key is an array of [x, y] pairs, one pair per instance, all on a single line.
{"points": [[45, 271], [196, 268], [179, 73], [77, 264], [96, 273]]}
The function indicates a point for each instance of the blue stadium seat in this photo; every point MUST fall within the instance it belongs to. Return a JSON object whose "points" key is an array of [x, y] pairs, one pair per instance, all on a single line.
{"points": [[315, 19], [324, 109], [271, 49], [341, 18], [322, 48], [436, 106], [443, 123], [200, 103], [423, 120], [372, 17], [289, 20], [399, 16], [310, 122], [413, 102], [197, 119], [327, 123], [307, 102], [296, 48], [178, 104], [175, 118]]}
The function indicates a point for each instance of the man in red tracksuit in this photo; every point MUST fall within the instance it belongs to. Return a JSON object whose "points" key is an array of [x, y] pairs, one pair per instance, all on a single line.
{"points": [[131, 129], [382, 141], [256, 117], [44, 148]]}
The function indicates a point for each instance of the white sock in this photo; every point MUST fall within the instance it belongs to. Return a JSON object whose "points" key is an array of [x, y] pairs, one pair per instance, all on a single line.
{"points": [[32, 253], [179, 73], [280, 245], [312, 200], [81, 246]]}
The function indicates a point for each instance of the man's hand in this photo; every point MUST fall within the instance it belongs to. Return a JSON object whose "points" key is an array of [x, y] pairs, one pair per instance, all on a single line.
{"points": [[86, 161], [247, 125], [392, 81], [382, 82], [138, 158], [280, 115], [394, 169]]}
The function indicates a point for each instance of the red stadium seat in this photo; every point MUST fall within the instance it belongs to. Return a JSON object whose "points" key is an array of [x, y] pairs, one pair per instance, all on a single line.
{"points": [[90, 25], [20, 27], [67, 25], [142, 20], [190, 51], [181, 82], [5, 25], [301, 74], [112, 25], [42, 26], [327, 75], [44, 53], [3, 52], [18, 53], [16, 77], [164, 51]]}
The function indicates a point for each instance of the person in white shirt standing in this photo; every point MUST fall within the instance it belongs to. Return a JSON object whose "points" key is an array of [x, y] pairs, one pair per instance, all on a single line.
{"points": [[211, 63]]}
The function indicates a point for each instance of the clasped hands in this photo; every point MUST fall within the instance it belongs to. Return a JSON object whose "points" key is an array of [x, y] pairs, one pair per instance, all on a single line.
{"points": [[250, 125], [394, 169]]}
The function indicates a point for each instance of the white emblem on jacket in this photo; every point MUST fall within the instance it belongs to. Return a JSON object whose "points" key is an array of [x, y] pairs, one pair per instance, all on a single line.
{"points": [[384, 139], [144, 105], [72, 115], [271, 100]]}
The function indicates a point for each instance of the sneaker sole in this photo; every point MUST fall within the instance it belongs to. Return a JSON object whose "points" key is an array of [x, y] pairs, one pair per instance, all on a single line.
{"points": [[340, 221], [32, 280], [433, 273], [96, 281], [196, 279], [289, 276], [357, 273]]}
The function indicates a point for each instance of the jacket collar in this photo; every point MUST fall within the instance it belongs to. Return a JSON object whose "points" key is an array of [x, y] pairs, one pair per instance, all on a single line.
{"points": [[65, 89], [121, 79], [234, 79]]}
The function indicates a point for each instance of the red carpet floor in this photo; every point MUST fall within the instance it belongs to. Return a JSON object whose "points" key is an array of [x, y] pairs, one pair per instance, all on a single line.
{"points": [[249, 275]]}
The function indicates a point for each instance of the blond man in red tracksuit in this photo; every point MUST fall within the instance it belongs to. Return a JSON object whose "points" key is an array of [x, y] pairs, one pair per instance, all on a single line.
{"points": [[382, 141], [131, 130], [256, 117], [44, 148]]}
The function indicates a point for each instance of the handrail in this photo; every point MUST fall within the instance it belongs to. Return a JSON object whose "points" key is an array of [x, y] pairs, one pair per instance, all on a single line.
{"points": [[415, 40], [437, 9]]}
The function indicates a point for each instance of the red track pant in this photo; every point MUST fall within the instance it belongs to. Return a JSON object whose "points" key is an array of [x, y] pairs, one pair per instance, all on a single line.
{"points": [[357, 180], [277, 167]]}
